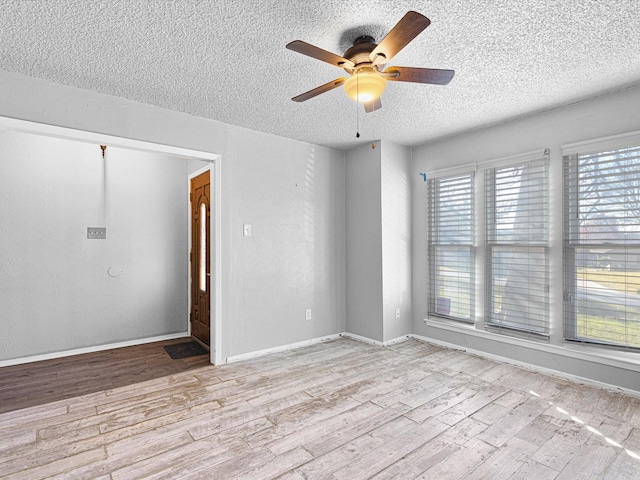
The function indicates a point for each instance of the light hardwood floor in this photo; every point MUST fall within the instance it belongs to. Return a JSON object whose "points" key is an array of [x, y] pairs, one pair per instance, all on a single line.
{"points": [[338, 410]]}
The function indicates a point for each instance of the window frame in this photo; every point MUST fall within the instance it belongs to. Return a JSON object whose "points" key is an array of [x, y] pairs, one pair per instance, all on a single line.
{"points": [[528, 327], [573, 243], [437, 305]]}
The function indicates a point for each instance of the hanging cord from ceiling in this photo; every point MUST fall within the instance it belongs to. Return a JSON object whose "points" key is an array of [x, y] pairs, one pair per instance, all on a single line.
{"points": [[375, 128], [357, 109]]}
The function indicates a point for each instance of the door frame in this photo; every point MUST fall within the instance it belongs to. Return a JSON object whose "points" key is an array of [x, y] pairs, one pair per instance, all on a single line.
{"points": [[215, 227], [215, 161]]}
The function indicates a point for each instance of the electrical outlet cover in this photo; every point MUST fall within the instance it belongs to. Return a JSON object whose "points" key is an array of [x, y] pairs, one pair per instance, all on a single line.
{"points": [[96, 233]]}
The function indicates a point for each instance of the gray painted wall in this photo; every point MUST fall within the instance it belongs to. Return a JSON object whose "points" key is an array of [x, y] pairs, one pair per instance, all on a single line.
{"points": [[607, 115], [292, 193], [378, 241], [364, 243], [55, 289], [396, 239]]}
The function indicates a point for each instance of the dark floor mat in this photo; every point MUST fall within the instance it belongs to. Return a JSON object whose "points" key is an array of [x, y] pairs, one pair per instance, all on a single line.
{"points": [[184, 350]]}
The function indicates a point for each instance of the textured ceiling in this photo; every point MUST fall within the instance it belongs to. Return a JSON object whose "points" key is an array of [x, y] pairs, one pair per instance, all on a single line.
{"points": [[227, 60]]}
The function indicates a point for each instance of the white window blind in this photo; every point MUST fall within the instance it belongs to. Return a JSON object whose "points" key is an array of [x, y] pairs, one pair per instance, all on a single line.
{"points": [[517, 242], [602, 247], [451, 251]]}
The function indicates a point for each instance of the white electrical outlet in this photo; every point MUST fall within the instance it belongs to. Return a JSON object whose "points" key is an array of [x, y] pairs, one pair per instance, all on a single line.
{"points": [[307, 314], [397, 313]]}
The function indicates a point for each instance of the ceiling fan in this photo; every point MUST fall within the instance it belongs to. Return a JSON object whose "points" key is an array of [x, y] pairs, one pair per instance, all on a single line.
{"points": [[365, 61]]}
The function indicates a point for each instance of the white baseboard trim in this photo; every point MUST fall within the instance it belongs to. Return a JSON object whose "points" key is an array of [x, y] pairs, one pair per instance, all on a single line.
{"points": [[362, 339], [281, 348], [313, 341], [97, 348], [529, 366], [378, 343], [398, 340]]}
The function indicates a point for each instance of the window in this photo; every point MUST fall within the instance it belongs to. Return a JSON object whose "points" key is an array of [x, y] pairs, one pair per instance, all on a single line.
{"points": [[517, 239], [602, 246], [451, 252]]}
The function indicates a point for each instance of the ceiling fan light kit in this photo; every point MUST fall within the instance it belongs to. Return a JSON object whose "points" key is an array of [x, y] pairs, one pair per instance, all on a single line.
{"points": [[365, 59], [366, 85]]}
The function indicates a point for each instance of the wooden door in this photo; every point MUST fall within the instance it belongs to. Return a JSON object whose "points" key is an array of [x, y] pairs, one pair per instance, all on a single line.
{"points": [[200, 257]]}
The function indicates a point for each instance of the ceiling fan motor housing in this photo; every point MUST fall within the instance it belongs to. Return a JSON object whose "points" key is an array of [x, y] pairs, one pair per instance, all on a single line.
{"points": [[359, 52]]}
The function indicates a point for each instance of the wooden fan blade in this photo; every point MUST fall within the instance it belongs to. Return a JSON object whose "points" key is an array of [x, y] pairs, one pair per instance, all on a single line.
{"points": [[433, 76], [319, 54], [405, 30], [373, 105], [318, 90]]}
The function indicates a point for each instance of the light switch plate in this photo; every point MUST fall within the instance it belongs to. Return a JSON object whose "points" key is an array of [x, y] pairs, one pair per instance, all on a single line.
{"points": [[246, 229], [96, 233]]}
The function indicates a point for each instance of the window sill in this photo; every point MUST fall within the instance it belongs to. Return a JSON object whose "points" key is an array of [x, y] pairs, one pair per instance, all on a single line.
{"points": [[624, 360]]}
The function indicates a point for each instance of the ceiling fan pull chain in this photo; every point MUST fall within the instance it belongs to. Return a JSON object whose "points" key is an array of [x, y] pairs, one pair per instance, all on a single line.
{"points": [[375, 129], [357, 112]]}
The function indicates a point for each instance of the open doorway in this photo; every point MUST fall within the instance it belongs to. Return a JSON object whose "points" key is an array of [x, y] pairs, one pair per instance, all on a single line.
{"points": [[133, 280], [205, 262]]}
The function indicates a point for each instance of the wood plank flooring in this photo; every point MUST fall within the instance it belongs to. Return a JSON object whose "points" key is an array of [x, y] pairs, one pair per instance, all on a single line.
{"points": [[338, 410], [47, 381]]}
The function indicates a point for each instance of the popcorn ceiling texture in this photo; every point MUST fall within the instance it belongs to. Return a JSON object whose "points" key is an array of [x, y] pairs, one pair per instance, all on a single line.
{"points": [[226, 60]]}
